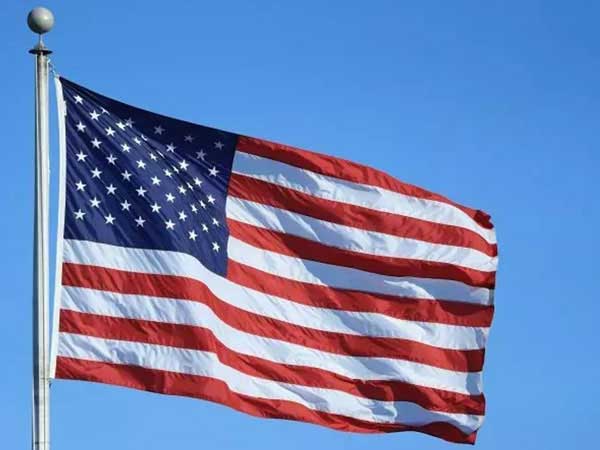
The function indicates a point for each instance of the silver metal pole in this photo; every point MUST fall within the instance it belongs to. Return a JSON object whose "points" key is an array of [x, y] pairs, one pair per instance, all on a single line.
{"points": [[41, 20]]}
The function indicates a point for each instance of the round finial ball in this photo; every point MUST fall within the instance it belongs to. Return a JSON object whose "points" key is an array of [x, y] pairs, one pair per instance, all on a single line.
{"points": [[40, 20]]}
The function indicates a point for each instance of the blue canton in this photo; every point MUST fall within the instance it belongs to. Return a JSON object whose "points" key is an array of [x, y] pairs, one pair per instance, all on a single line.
{"points": [[143, 180]]}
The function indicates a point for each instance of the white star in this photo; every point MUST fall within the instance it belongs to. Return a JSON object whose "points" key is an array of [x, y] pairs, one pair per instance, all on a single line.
{"points": [[96, 173], [78, 99], [94, 115], [95, 202], [110, 220], [171, 148], [125, 148], [155, 207], [197, 181], [215, 222], [126, 175], [170, 225], [81, 156], [215, 246], [204, 228], [213, 172], [158, 130], [80, 185], [104, 111], [193, 235], [168, 173], [96, 143], [175, 169], [141, 164], [111, 189], [219, 145], [80, 127], [189, 185], [184, 165], [121, 125], [79, 214], [110, 131], [137, 140], [153, 157], [202, 204], [155, 181], [182, 190], [188, 138], [182, 215], [111, 159], [141, 191], [210, 199], [201, 154], [170, 197], [144, 137], [140, 221], [129, 123], [194, 209], [125, 206]]}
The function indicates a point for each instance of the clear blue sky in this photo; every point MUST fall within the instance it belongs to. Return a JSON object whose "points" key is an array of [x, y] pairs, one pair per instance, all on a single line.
{"points": [[495, 104]]}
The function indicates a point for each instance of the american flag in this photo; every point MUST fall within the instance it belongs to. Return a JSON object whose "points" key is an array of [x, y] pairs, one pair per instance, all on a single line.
{"points": [[280, 282]]}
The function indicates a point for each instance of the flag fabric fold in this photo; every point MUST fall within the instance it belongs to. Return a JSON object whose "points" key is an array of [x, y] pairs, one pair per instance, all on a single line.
{"points": [[280, 282]]}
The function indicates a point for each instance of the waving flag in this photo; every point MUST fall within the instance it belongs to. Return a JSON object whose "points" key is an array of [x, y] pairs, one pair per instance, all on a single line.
{"points": [[277, 281]]}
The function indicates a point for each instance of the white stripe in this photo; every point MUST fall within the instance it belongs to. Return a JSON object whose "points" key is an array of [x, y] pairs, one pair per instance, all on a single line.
{"points": [[357, 323], [367, 196], [314, 272], [354, 239], [201, 363], [197, 314]]}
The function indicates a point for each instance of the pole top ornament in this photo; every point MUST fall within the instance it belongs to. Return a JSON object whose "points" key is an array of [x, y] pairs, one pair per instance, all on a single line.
{"points": [[40, 20]]}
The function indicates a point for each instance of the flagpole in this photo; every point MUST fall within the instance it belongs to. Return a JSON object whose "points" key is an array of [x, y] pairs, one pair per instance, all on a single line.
{"points": [[40, 21]]}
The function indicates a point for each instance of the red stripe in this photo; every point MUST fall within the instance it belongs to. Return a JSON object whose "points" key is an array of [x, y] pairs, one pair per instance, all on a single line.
{"points": [[259, 191], [170, 286], [184, 336], [217, 391], [290, 245], [347, 170], [440, 311]]}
